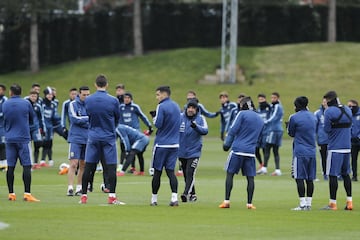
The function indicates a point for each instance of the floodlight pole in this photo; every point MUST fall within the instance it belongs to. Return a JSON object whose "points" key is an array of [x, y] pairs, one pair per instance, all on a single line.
{"points": [[229, 40]]}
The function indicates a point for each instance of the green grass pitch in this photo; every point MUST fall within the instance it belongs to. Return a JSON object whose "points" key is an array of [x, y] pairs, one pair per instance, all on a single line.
{"points": [[60, 217]]}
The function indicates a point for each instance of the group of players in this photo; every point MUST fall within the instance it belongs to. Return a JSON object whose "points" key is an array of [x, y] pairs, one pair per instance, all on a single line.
{"points": [[244, 129]]}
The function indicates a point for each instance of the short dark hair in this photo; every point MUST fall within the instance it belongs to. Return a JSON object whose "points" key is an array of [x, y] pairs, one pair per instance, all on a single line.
{"points": [[84, 88], [33, 92], [35, 85], [120, 85], [353, 101], [276, 94], [164, 89], [15, 89], [73, 89], [192, 92], [101, 81], [261, 95]]}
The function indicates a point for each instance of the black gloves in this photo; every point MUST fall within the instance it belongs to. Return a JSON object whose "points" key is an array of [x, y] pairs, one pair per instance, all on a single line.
{"points": [[65, 133], [226, 148], [222, 136], [193, 124], [150, 130], [153, 113]]}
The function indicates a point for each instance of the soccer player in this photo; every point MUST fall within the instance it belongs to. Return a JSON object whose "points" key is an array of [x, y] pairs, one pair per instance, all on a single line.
{"points": [[166, 119], [234, 111], [119, 92], [242, 137], [274, 137], [264, 112], [104, 112], [51, 117], [37, 128], [65, 118], [321, 136], [18, 115], [302, 127], [193, 126], [337, 124], [3, 98], [224, 111], [355, 136], [79, 124], [135, 142], [130, 114]]}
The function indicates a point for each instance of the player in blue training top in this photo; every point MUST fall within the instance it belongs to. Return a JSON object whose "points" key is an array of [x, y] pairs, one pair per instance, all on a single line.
{"points": [[264, 112], [274, 134], [3, 98], [234, 111], [166, 119], [355, 136], [301, 127], [18, 115], [65, 118], [130, 114], [193, 126], [79, 124], [242, 137], [337, 124], [224, 111], [135, 142], [321, 136], [104, 113]]}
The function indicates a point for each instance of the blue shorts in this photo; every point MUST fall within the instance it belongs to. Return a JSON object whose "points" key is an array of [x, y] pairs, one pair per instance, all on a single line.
{"points": [[337, 163], [304, 167], [36, 135], [141, 144], [49, 134], [97, 149], [262, 140], [236, 162], [15, 151], [274, 137], [77, 151], [164, 158]]}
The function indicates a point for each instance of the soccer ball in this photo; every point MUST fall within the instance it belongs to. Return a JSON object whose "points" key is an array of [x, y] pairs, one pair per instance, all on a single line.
{"points": [[63, 168], [151, 171], [63, 165]]}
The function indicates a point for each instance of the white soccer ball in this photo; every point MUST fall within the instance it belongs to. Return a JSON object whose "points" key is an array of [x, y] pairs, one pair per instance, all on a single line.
{"points": [[151, 171], [63, 165]]}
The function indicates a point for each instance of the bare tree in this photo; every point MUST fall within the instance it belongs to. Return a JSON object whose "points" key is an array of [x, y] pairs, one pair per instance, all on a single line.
{"points": [[137, 28], [332, 21]]}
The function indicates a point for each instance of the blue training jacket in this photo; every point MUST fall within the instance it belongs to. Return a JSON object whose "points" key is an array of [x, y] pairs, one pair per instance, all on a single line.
{"points": [[130, 114], [203, 111], [339, 138], [225, 115], [274, 122], [191, 138], [79, 122], [244, 133], [355, 128], [132, 138], [65, 112], [2, 129], [18, 115], [104, 113], [322, 136], [302, 127], [167, 122]]}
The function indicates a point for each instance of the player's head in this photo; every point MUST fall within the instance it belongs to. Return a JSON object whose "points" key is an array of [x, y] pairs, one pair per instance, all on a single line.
{"points": [[120, 89], [301, 103], [192, 107], [84, 92], [128, 97], [48, 93], [354, 106], [15, 90], [247, 104], [162, 92], [332, 98], [101, 81]]}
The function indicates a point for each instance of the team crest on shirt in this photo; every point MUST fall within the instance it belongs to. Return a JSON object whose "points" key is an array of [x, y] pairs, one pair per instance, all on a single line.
{"points": [[132, 108], [72, 154]]}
